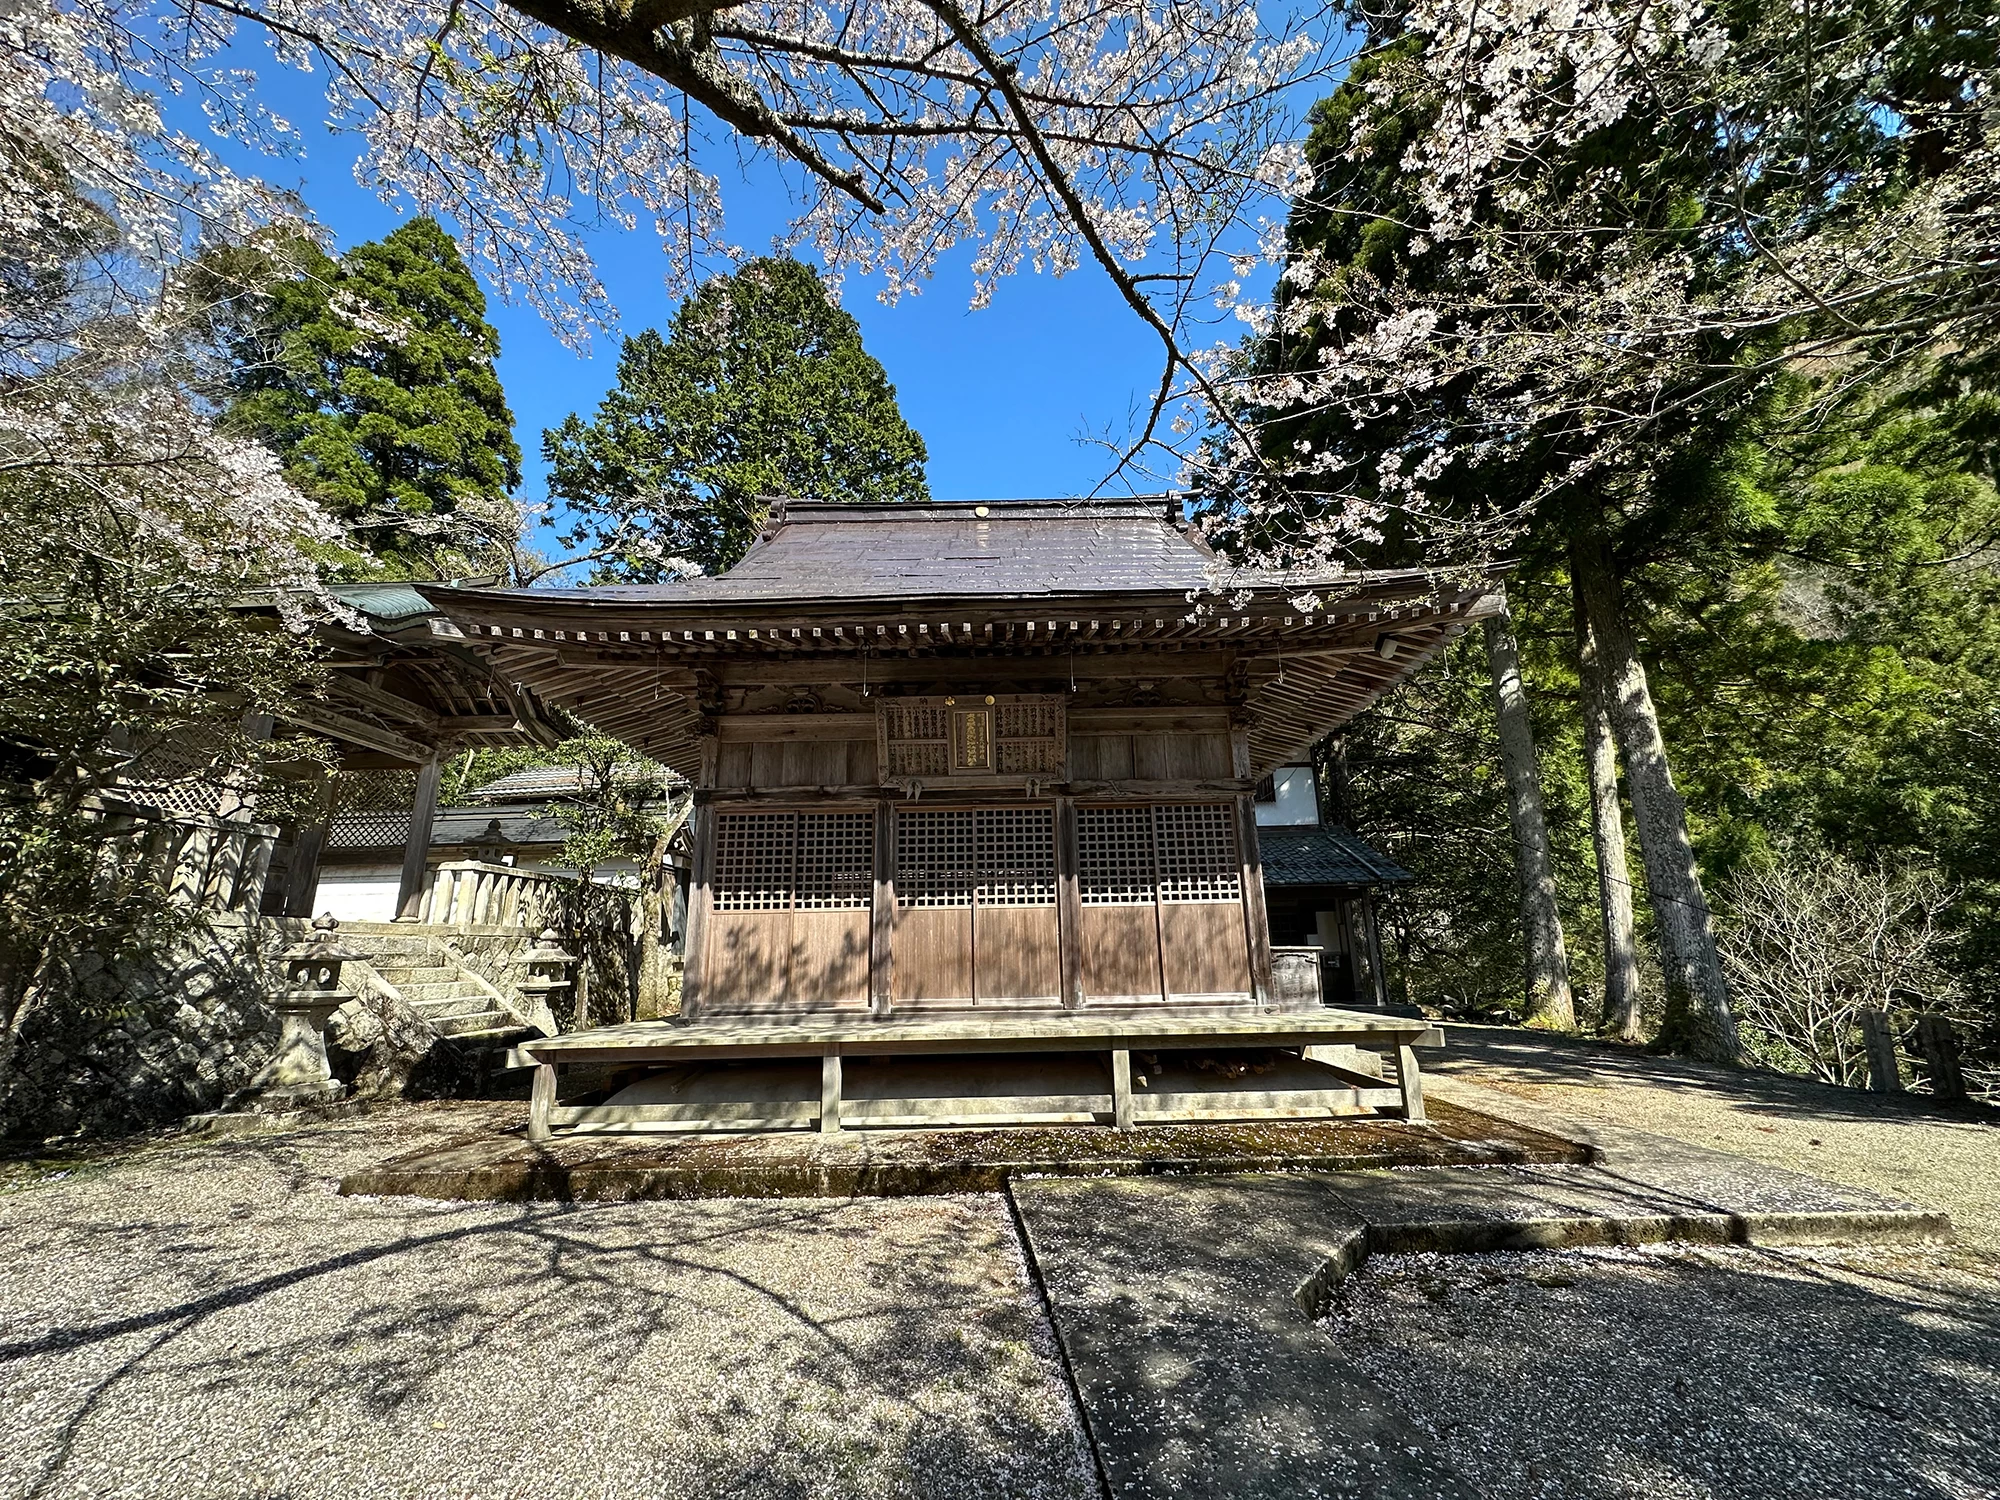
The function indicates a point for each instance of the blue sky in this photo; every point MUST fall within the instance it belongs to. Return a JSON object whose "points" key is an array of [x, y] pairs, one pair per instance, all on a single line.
{"points": [[1001, 396]]}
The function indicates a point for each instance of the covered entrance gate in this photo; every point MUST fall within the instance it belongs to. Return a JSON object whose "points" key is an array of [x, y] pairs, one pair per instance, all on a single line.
{"points": [[1050, 904]]}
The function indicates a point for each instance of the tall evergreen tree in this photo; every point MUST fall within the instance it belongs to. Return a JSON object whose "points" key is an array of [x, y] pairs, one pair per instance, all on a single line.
{"points": [[373, 378], [761, 388]]}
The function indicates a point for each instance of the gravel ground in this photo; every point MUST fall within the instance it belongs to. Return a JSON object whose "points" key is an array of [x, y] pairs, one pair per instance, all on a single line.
{"points": [[210, 1319], [1691, 1375], [1903, 1147]]}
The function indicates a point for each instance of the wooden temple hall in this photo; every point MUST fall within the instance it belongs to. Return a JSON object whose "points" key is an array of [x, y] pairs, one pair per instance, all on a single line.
{"points": [[976, 818]]}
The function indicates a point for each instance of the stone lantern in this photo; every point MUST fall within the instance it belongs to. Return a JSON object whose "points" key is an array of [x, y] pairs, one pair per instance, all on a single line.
{"points": [[549, 985], [300, 1073]]}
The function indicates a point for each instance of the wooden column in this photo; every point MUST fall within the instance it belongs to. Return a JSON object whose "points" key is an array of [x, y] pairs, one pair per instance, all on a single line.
{"points": [[302, 879], [1121, 1089], [829, 1090], [700, 898], [1069, 906], [541, 1099], [882, 922], [1379, 977], [1256, 920], [417, 846]]}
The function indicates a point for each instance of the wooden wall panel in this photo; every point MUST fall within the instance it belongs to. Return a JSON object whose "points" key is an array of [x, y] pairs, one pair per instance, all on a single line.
{"points": [[1155, 757], [1016, 954], [1205, 950], [1207, 757], [732, 766], [1100, 757], [767, 764], [1118, 950], [861, 768], [829, 958], [933, 953], [749, 958]]}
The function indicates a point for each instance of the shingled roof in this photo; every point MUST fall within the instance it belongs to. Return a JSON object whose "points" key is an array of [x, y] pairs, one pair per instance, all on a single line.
{"points": [[1326, 854], [1019, 549]]}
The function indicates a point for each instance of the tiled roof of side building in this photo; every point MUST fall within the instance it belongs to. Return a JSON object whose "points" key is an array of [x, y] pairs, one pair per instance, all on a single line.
{"points": [[538, 782], [1004, 547], [1324, 855]]}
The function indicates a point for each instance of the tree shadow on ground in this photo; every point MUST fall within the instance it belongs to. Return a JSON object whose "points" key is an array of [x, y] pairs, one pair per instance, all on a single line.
{"points": [[317, 1345]]}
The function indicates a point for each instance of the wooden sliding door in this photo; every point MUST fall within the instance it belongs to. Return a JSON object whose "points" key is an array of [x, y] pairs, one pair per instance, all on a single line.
{"points": [[976, 916], [1161, 892], [788, 928]]}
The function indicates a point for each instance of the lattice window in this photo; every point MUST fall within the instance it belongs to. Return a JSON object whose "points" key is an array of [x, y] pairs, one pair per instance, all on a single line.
{"points": [[1017, 856], [755, 854], [1195, 847], [182, 776], [936, 857], [836, 870], [371, 809], [1114, 855]]}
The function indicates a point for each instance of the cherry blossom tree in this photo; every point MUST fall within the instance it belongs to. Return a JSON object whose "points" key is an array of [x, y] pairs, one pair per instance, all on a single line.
{"points": [[1148, 137]]}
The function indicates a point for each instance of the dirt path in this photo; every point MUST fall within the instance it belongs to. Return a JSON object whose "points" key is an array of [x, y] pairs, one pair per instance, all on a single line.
{"points": [[1900, 1145]]}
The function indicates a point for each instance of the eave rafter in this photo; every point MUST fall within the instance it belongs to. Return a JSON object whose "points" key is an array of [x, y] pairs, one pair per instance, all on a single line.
{"points": [[631, 670]]}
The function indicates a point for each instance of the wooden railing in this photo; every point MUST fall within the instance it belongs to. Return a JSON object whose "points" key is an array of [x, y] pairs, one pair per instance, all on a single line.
{"points": [[215, 864]]}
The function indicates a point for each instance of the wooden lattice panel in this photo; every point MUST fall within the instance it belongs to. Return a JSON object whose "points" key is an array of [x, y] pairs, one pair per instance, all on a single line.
{"points": [[1132, 856], [836, 861], [936, 857], [973, 735], [755, 857], [779, 861], [1017, 856], [1114, 856], [1194, 846]]}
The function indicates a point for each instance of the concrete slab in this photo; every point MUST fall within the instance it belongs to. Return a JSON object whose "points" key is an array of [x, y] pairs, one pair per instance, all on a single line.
{"points": [[585, 1168], [1199, 1373]]}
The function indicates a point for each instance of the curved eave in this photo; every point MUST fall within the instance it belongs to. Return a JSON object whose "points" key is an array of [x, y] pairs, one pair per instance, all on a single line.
{"points": [[628, 666]]}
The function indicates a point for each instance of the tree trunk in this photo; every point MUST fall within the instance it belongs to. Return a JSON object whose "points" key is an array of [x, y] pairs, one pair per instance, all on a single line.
{"points": [[1698, 1019], [1607, 832], [1549, 1002]]}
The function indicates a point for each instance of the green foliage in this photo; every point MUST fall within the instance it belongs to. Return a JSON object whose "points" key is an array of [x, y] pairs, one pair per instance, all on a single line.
{"points": [[372, 376], [762, 389], [618, 810], [1820, 613], [115, 651], [1419, 776]]}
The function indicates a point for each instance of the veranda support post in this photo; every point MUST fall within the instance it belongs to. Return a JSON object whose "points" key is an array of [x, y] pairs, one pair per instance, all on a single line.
{"points": [[417, 845]]}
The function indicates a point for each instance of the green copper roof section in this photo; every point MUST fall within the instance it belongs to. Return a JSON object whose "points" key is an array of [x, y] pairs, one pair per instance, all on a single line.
{"points": [[384, 601]]}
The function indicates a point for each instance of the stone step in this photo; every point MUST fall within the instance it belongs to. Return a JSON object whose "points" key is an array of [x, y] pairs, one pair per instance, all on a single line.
{"points": [[401, 974], [437, 989], [470, 1024], [454, 1005], [498, 1036]]}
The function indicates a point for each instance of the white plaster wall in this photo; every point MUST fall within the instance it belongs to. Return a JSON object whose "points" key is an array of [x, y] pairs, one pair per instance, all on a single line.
{"points": [[359, 893], [1296, 802]]}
